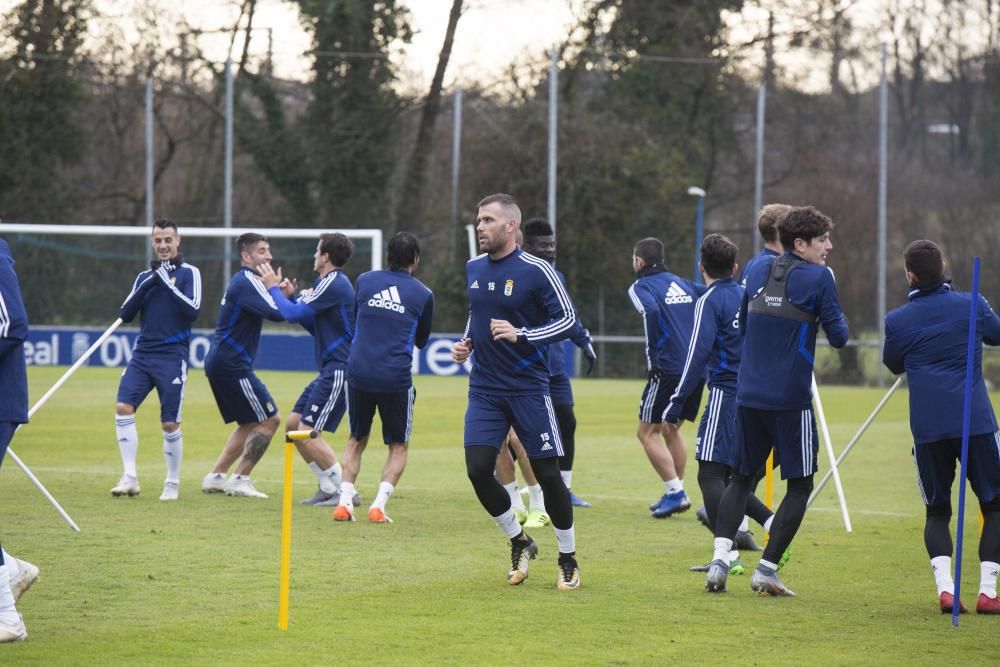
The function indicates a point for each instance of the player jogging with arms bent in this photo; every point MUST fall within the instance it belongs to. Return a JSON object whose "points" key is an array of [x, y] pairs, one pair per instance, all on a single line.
{"points": [[517, 306]]}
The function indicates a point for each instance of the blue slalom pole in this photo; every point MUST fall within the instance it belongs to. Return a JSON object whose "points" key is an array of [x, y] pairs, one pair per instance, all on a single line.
{"points": [[966, 419]]}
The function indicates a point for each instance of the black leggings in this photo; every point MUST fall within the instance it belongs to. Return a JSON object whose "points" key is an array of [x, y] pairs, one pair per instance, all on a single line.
{"points": [[713, 478], [786, 520], [567, 430], [937, 531], [480, 462]]}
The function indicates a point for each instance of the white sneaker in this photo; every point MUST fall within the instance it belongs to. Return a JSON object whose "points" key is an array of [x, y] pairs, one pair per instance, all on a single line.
{"points": [[13, 632], [127, 486], [243, 488], [171, 490], [26, 576], [214, 482]]}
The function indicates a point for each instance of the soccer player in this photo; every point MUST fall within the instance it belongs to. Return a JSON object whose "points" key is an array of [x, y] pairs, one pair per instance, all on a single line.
{"points": [[666, 304], [787, 299], [767, 225], [167, 298], [517, 306], [327, 312], [394, 312], [540, 241], [239, 393], [928, 340], [16, 576], [714, 352]]}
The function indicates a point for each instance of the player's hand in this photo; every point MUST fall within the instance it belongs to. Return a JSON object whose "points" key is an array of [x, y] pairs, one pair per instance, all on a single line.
{"points": [[288, 287], [461, 350], [591, 356], [269, 276], [503, 330]]}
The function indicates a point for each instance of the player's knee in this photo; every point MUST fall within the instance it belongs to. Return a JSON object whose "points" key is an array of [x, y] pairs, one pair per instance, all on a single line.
{"points": [[272, 423], [293, 423], [124, 409], [170, 427], [991, 507], [546, 471], [943, 511], [801, 485], [479, 464], [567, 418]]}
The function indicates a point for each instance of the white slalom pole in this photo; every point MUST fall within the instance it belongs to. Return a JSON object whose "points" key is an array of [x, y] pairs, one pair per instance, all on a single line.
{"points": [[857, 436], [45, 492], [72, 369], [829, 451]]}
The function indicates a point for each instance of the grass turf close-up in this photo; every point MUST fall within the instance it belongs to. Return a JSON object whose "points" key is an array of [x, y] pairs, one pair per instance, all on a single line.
{"points": [[195, 581]]}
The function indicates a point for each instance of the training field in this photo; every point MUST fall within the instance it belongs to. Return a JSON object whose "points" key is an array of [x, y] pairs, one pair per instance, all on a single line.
{"points": [[196, 581]]}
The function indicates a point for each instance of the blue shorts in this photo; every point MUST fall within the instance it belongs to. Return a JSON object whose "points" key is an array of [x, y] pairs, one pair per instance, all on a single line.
{"points": [[936, 463], [719, 435], [489, 417], [324, 402], [791, 433], [395, 409], [656, 397], [167, 374], [242, 398], [560, 389]]}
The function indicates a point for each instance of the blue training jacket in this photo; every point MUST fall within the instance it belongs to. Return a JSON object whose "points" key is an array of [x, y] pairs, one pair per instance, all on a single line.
{"points": [[13, 332], [666, 303], [245, 306], [777, 363], [395, 312], [167, 300], [716, 345], [928, 339], [525, 291], [327, 312]]}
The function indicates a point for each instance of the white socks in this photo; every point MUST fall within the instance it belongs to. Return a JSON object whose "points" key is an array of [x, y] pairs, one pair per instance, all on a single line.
{"points": [[768, 564], [516, 503], [566, 540], [987, 578], [567, 476], [173, 450], [385, 490], [13, 569], [767, 524], [723, 545], [330, 480], [347, 492], [8, 614], [745, 524], [941, 566], [128, 442], [508, 524], [674, 485], [536, 499]]}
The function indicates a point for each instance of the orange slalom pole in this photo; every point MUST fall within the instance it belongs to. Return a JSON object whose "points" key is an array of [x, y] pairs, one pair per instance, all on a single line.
{"points": [[286, 524]]}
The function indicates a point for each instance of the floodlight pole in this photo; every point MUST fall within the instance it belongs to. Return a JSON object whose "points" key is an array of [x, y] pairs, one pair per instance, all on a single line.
{"points": [[883, 152], [699, 228], [758, 190], [149, 164], [553, 127], [456, 158], [227, 197]]}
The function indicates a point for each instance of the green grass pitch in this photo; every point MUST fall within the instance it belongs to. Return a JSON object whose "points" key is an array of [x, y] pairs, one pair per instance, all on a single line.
{"points": [[196, 581]]}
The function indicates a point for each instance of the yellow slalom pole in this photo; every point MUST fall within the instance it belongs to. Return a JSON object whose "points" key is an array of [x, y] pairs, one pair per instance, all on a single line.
{"points": [[769, 486], [286, 524]]}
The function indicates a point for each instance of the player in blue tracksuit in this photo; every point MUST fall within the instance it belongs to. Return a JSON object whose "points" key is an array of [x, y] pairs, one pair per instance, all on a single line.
{"points": [[15, 575], [787, 299], [395, 312], [666, 303], [327, 312], [517, 306], [239, 393], [167, 299], [928, 340], [714, 353]]}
